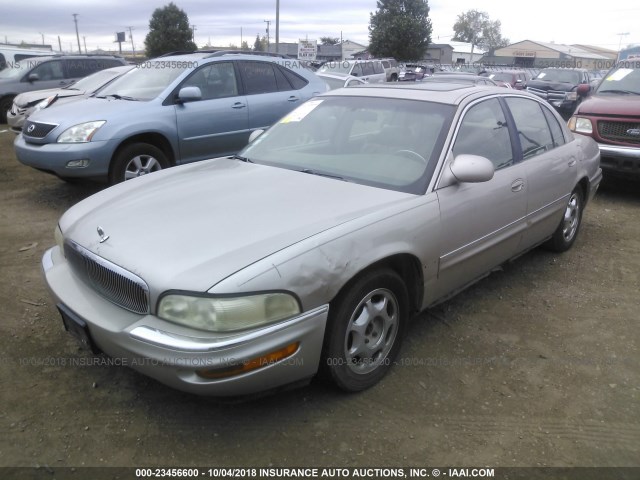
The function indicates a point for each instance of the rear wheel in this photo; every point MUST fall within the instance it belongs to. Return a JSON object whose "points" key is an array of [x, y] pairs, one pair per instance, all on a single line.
{"points": [[566, 233], [365, 330], [136, 160]]}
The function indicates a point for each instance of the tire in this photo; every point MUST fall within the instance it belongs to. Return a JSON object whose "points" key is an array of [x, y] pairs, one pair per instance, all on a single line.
{"points": [[566, 233], [365, 330], [5, 105], [136, 160]]}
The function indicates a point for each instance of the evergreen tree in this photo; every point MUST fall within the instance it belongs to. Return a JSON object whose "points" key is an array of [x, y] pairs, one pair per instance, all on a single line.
{"points": [[400, 29], [169, 31]]}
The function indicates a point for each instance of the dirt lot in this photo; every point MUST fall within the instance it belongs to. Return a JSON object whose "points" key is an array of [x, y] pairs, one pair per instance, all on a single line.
{"points": [[537, 365]]}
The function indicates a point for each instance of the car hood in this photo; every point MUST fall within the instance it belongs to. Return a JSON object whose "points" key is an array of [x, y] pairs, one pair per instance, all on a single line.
{"points": [[24, 99], [555, 86], [86, 110], [189, 227], [610, 104]]}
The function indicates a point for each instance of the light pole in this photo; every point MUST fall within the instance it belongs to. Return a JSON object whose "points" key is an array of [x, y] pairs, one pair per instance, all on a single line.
{"points": [[620, 43], [277, 26], [75, 19], [268, 22]]}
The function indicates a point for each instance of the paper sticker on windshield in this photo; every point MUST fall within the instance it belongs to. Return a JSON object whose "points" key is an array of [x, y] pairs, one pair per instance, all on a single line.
{"points": [[542, 75], [619, 74], [301, 112]]}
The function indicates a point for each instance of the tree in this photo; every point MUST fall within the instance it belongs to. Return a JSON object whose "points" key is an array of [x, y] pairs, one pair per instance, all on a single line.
{"points": [[400, 29], [244, 45], [169, 31], [329, 40], [476, 28], [260, 45]]}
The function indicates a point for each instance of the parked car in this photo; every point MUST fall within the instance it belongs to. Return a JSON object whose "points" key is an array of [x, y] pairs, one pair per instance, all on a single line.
{"points": [[370, 71], [27, 103], [611, 116], [10, 54], [559, 86], [412, 72], [340, 80], [168, 111], [460, 78], [514, 78], [391, 69], [48, 72], [313, 247]]}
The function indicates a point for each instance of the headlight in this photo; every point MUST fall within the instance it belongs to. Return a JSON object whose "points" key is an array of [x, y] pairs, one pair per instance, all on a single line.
{"points": [[580, 125], [81, 133], [571, 96], [228, 314]]}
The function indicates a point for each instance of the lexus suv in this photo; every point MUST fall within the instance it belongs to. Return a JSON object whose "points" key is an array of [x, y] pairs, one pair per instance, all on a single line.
{"points": [[168, 111], [611, 116]]}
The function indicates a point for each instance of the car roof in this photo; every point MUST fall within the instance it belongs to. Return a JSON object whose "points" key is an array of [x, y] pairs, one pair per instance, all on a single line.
{"points": [[449, 93]]}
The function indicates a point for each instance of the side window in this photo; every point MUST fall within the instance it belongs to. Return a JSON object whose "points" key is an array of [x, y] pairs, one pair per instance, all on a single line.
{"points": [[533, 130], [367, 68], [378, 68], [386, 64], [294, 79], [483, 131], [217, 80], [81, 67], [49, 70], [258, 77], [357, 70], [556, 129]]}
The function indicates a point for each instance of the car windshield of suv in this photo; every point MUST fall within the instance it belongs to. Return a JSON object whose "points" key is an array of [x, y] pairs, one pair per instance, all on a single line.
{"points": [[146, 81], [94, 81], [501, 77], [621, 80], [15, 70], [337, 67], [561, 76], [382, 142]]}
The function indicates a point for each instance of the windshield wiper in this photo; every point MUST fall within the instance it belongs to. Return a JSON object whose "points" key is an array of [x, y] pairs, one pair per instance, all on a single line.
{"points": [[119, 97], [627, 92], [241, 158], [322, 174]]}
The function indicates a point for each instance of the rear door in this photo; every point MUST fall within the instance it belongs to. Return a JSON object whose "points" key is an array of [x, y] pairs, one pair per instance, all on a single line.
{"points": [[271, 92], [482, 223], [50, 74], [551, 165], [218, 123]]}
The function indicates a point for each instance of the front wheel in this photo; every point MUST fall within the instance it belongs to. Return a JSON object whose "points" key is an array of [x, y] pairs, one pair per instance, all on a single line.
{"points": [[365, 329], [566, 233], [136, 160]]}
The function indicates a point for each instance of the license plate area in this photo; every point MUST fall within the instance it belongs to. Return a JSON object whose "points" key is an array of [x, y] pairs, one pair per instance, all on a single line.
{"points": [[77, 327]]}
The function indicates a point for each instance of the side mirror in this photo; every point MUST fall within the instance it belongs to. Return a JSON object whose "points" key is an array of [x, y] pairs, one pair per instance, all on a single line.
{"points": [[33, 77], [584, 89], [255, 134], [471, 169], [189, 94]]}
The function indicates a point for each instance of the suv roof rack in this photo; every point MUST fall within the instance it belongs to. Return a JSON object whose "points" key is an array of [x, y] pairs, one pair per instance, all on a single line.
{"points": [[220, 53]]}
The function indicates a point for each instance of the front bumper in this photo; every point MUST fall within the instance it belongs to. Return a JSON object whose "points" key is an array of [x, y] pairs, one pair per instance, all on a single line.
{"points": [[616, 159], [55, 157], [173, 354], [16, 117]]}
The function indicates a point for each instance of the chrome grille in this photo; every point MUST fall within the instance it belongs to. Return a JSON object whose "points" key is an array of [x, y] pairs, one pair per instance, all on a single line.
{"points": [[37, 129], [617, 131], [111, 281]]}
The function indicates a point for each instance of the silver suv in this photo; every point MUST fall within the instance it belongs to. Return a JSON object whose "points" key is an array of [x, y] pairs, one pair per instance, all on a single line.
{"points": [[54, 71], [167, 111], [371, 71]]}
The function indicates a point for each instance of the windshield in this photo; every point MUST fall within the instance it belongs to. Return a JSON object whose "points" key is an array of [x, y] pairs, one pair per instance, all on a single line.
{"points": [[621, 80], [501, 77], [147, 80], [16, 70], [95, 81], [382, 142], [562, 76], [341, 67]]}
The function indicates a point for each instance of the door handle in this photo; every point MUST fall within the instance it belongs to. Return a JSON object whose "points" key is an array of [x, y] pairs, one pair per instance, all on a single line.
{"points": [[517, 185], [238, 105], [572, 162], [293, 98]]}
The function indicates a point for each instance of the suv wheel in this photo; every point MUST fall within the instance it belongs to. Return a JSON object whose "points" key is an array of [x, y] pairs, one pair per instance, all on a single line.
{"points": [[136, 160]]}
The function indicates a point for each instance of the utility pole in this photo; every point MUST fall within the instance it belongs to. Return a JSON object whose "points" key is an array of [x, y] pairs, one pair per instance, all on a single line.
{"points": [[240, 38], [59, 44], [620, 43], [268, 22], [84, 39], [75, 19], [277, 25], [42, 37], [133, 49], [193, 33]]}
